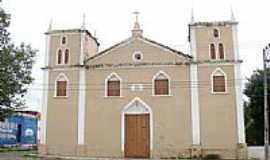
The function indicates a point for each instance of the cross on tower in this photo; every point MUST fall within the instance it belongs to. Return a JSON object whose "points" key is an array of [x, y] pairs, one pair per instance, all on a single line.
{"points": [[136, 13]]}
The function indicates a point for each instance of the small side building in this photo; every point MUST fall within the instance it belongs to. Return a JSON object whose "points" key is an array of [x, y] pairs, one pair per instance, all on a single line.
{"points": [[20, 129]]}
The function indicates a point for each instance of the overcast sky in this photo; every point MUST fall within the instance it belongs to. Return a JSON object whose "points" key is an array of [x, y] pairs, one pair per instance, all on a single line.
{"points": [[164, 21]]}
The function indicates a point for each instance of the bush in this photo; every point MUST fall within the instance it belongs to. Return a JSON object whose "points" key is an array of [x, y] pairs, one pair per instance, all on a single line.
{"points": [[212, 156]]}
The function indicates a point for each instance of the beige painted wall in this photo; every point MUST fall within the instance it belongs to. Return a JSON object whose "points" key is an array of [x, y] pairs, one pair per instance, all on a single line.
{"points": [[91, 47], [62, 115], [171, 114], [204, 36], [73, 44], [151, 54], [217, 111]]}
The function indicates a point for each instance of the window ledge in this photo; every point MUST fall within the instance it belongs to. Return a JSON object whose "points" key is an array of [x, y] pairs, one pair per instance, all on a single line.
{"points": [[60, 97], [113, 97], [169, 95], [219, 93]]}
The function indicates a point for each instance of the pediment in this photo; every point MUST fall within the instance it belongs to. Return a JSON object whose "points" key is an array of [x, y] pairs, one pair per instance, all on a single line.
{"points": [[136, 106], [152, 52]]}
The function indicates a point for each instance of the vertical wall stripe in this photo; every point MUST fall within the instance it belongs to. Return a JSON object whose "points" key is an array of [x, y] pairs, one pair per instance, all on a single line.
{"points": [[81, 95], [45, 93], [195, 111], [238, 89]]}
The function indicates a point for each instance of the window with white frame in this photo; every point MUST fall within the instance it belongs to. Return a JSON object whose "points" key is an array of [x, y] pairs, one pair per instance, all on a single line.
{"points": [[216, 52], [61, 85], [218, 81], [113, 85], [63, 40], [216, 33], [59, 56], [161, 84], [66, 57], [221, 50]]}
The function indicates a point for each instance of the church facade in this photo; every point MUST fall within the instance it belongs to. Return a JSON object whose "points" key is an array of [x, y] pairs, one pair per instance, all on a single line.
{"points": [[143, 99]]}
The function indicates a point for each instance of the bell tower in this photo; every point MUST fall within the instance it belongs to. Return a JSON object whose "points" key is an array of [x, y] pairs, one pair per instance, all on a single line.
{"points": [[64, 84], [216, 84]]}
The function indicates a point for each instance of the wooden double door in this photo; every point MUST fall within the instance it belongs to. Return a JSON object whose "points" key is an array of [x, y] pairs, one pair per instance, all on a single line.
{"points": [[137, 136]]}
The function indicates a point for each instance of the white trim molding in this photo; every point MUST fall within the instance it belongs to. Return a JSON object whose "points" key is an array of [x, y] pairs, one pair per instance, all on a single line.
{"points": [[218, 72], [81, 106], [81, 95], [136, 106], [44, 108], [159, 73], [238, 89], [195, 110], [112, 76], [195, 106]]}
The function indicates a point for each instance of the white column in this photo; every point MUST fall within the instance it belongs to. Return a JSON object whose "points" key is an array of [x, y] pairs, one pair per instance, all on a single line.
{"points": [[238, 89], [195, 110], [43, 122], [81, 95]]}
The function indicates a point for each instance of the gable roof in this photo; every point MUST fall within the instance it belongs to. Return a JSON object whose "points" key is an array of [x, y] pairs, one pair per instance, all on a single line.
{"points": [[144, 39]]}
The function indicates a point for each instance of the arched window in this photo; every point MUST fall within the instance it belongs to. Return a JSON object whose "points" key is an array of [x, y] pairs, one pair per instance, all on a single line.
{"points": [[161, 84], [66, 56], [218, 81], [61, 85], [212, 51], [216, 33], [59, 56], [63, 40], [113, 85], [221, 51]]}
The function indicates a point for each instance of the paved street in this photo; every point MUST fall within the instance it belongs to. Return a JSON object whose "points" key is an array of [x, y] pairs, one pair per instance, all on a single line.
{"points": [[14, 156], [11, 156]]}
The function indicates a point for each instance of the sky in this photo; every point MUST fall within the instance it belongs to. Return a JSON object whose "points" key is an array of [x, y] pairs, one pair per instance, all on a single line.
{"points": [[165, 21]]}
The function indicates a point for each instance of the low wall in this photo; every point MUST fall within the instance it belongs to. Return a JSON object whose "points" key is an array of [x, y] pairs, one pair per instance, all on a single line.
{"points": [[256, 152]]}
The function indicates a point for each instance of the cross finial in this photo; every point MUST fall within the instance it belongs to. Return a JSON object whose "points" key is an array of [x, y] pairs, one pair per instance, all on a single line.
{"points": [[136, 13], [136, 32]]}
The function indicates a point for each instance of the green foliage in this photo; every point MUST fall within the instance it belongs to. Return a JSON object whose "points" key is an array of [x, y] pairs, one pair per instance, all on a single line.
{"points": [[254, 108], [15, 69], [212, 156]]}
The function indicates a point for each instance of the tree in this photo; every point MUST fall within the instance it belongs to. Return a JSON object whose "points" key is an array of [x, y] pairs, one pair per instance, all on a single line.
{"points": [[254, 108], [15, 69]]}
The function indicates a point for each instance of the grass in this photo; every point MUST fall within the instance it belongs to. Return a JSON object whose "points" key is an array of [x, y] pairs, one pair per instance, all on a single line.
{"points": [[16, 148]]}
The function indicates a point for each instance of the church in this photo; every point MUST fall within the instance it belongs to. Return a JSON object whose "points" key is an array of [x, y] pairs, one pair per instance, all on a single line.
{"points": [[143, 99]]}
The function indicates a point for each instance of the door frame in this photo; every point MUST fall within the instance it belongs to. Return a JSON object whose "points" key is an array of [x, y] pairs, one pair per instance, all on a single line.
{"points": [[129, 110]]}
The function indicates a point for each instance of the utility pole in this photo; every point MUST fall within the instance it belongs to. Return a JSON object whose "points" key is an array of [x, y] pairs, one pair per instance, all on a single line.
{"points": [[266, 59]]}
